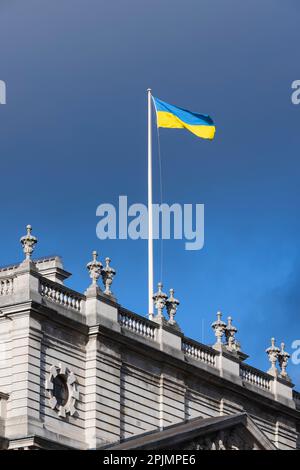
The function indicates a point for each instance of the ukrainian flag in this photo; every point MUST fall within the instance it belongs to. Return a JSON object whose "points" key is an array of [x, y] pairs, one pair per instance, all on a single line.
{"points": [[178, 118]]}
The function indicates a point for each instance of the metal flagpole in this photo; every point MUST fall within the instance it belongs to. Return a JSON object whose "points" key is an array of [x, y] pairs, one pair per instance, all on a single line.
{"points": [[150, 220]]}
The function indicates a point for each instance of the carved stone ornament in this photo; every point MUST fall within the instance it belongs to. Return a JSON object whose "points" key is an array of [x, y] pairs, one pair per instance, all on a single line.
{"points": [[172, 305], [283, 358], [219, 327], [108, 273], [222, 440], [160, 299], [61, 385], [230, 332], [273, 353], [94, 267], [28, 242]]}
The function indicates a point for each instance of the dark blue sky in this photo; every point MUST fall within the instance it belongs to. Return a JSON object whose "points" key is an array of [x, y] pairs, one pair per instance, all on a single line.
{"points": [[74, 135]]}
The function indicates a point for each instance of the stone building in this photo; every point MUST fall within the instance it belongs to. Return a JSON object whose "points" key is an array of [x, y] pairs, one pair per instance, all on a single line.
{"points": [[81, 371]]}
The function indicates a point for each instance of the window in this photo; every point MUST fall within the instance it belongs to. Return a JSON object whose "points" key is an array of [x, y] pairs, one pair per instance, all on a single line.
{"points": [[60, 390]]}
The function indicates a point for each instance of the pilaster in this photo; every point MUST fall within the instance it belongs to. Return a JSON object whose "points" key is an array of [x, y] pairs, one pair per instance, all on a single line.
{"points": [[26, 283], [102, 390], [23, 406], [172, 392], [283, 392], [99, 309], [228, 364]]}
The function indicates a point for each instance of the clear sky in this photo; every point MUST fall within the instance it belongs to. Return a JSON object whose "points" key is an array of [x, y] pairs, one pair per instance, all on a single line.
{"points": [[74, 135]]}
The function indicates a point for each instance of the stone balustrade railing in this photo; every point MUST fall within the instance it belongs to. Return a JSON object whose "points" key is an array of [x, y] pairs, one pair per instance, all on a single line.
{"points": [[256, 377], [199, 351], [6, 286], [137, 324], [61, 295], [143, 327]]}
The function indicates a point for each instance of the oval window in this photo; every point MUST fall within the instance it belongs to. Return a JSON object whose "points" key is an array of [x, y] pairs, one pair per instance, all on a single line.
{"points": [[60, 390]]}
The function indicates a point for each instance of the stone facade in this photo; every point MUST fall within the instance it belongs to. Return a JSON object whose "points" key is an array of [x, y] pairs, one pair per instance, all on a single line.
{"points": [[80, 371]]}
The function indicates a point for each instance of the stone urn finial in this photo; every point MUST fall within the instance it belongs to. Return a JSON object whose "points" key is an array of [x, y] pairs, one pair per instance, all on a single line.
{"points": [[219, 327], [28, 243], [273, 353], [230, 332], [94, 267], [160, 299], [172, 305], [108, 273], [283, 358]]}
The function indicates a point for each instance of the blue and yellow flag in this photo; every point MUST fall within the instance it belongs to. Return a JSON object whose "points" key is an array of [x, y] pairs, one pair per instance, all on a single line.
{"points": [[178, 118]]}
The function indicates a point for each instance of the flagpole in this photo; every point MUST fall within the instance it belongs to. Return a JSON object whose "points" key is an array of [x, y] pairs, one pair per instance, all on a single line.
{"points": [[150, 220]]}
